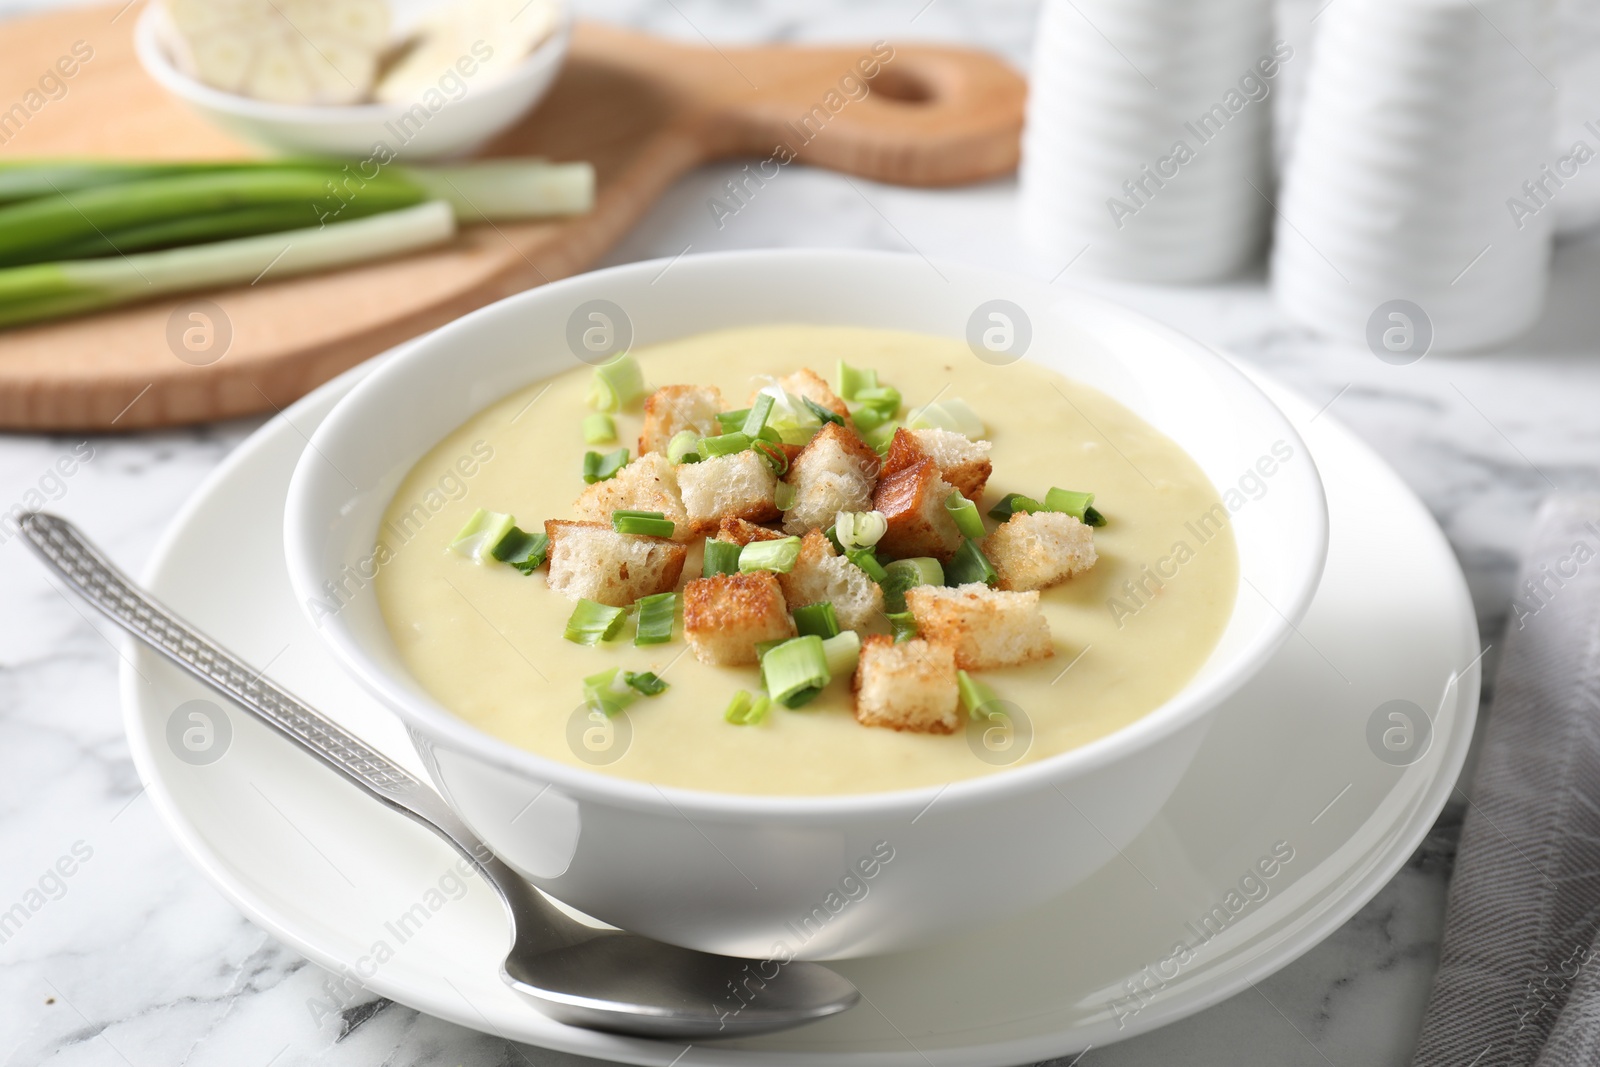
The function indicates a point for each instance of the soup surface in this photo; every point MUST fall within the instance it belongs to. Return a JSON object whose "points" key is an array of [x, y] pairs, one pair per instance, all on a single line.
{"points": [[487, 642]]}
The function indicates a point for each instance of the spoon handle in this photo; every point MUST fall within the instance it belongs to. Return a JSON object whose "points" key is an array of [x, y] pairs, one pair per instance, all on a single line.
{"points": [[114, 595]]}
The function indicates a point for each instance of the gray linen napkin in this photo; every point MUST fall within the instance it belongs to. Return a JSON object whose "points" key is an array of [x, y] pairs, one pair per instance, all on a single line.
{"points": [[1519, 972]]}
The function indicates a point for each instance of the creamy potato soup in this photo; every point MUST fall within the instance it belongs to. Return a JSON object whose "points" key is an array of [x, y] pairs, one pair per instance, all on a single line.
{"points": [[487, 640]]}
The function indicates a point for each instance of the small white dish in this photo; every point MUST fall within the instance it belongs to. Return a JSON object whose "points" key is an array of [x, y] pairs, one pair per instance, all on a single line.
{"points": [[412, 131], [324, 869], [731, 873]]}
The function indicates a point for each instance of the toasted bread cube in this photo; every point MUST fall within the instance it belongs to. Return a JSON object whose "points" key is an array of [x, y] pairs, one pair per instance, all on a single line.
{"points": [[961, 461], [1039, 549], [821, 574], [906, 686], [679, 407], [741, 532], [724, 616], [835, 472], [809, 384], [919, 525], [591, 560], [740, 486], [984, 627], [649, 483]]}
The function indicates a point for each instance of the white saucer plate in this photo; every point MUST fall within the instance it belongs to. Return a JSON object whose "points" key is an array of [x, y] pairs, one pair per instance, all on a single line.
{"points": [[1308, 761]]}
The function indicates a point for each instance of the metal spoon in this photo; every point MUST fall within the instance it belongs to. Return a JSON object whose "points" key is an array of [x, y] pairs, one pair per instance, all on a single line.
{"points": [[600, 979]]}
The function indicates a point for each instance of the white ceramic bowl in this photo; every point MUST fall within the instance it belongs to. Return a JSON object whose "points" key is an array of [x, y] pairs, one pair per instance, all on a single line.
{"points": [[353, 131], [742, 874]]}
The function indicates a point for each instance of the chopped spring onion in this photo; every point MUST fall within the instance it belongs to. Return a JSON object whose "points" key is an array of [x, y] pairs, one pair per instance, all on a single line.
{"points": [[1091, 517], [777, 459], [684, 447], [777, 555], [965, 512], [745, 710], [793, 421], [617, 385], [842, 651], [953, 414], [646, 683], [848, 381], [523, 550], [599, 429], [885, 400], [51, 290], [859, 529], [866, 417], [1012, 503], [816, 619], [508, 188], [592, 622], [832, 535], [881, 436], [478, 538], [597, 468], [903, 625], [657, 612], [974, 694], [867, 561], [784, 496], [824, 415], [734, 420], [970, 565], [795, 671], [724, 445], [608, 692], [905, 574], [642, 523], [722, 557], [1078, 505], [756, 420]]}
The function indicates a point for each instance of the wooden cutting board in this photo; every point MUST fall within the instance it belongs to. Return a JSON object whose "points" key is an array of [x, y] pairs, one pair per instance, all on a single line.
{"points": [[643, 110]]}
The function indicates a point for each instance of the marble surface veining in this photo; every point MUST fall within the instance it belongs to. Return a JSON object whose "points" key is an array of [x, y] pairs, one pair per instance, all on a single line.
{"points": [[141, 962]]}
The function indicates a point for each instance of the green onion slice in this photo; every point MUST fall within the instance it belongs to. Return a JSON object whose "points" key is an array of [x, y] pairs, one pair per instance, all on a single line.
{"points": [[1065, 500], [646, 683], [824, 415], [617, 385], [965, 512], [1091, 517], [848, 381], [882, 436], [756, 420], [952, 414], [970, 565], [778, 555], [478, 538], [885, 400], [776, 458], [859, 529], [974, 694], [866, 417], [816, 619], [592, 622], [657, 612], [608, 692], [724, 445], [684, 447], [745, 710], [864, 558], [599, 429], [842, 651], [597, 467], [733, 420], [902, 625], [795, 671], [791, 419], [784, 496], [1012, 503], [643, 523], [523, 550], [722, 557], [905, 574], [832, 534]]}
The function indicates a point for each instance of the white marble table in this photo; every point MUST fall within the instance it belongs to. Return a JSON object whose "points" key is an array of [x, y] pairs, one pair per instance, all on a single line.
{"points": [[141, 962]]}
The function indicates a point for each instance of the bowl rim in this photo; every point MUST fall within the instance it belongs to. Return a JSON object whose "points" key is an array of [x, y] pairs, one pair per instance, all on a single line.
{"points": [[153, 57], [431, 722]]}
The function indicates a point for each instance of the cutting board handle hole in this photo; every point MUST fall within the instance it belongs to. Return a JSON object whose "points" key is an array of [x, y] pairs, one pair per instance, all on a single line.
{"points": [[901, 86]]}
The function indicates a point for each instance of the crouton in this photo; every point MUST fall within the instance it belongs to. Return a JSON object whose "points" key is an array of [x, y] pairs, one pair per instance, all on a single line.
{"points": [[1037, 550], [919, 525], [649, 483], [906, 686], [985, 628], [593, 561], [961, 461], [809, 384], [725, 615], [835, 472], [679, 407], [739, 486], [821, 574], [741, 533]]}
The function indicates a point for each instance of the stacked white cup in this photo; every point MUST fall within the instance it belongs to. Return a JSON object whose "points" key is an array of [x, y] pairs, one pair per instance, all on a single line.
{"points": [[1422, 122], [1147, 144]]}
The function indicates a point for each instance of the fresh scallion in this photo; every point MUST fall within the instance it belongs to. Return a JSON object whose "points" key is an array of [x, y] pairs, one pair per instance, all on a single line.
{"points": [[684, 447], [795, 671], [777, 555], [784, 496], [1012, 503], [1091, 517], [756, 420], [747, 710], [592, 622], [734, 420], [884, 399], [848, 381], [657, 613], [642, 523], [866, 417], [599, 429], [832, 534], [904, 574], [902, 625], [724, 444], [722, 557], [952, 414], [598, 468], [867, 561], [523, 550], [974, 694], [776, 458], [608, 692], [483, 531], [965, 512], [816, 619], [645, 683], [617, 385], [1065, 500], [824, 415], [970, 565], [859, 529], [842, 651], [791, 419], [880, 437]]}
